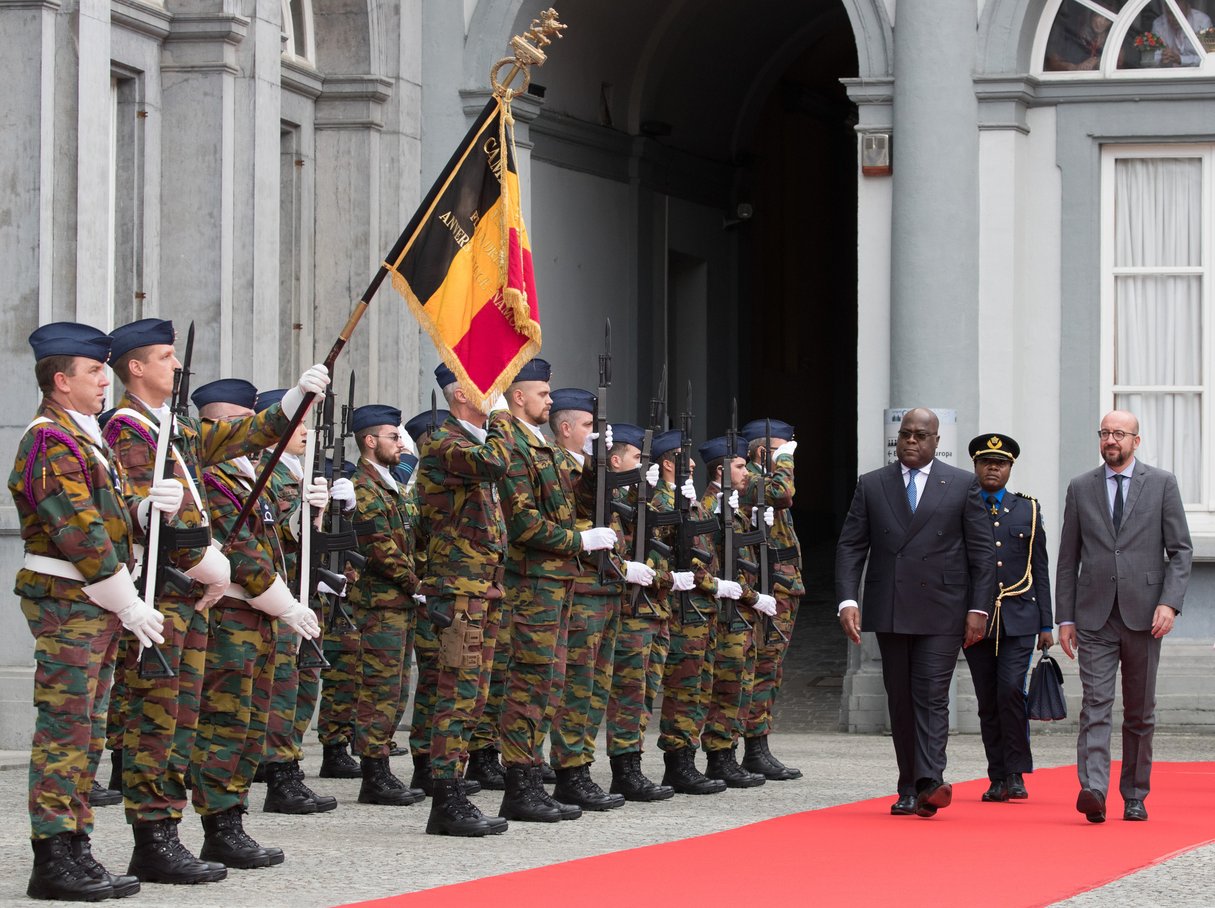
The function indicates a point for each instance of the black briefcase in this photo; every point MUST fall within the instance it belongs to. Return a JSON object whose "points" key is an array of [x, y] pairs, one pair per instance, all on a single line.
{"points": [[1046, 700]]}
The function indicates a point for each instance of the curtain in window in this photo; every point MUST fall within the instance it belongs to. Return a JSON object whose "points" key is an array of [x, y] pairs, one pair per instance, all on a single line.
{"points": [[1158, 317]]}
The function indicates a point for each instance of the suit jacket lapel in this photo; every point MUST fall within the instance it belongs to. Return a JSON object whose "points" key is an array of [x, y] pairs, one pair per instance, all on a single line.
{"points": [[935, 484], [1134, 487], [1103, 501], [896, 494]]}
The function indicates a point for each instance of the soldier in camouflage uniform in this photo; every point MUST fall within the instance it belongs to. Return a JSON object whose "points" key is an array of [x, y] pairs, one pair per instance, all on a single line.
{"points": [[78, 519], [462, 460], [286, 791], [787, 588], [540, 507], [160, 715], [242, 628], [733, 642], [382, 601]]}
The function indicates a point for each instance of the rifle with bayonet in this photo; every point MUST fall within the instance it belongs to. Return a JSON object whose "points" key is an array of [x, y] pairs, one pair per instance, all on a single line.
{"points": [[605, 481], [765, 548], [641, 532], [310, 653], [732, 542]]}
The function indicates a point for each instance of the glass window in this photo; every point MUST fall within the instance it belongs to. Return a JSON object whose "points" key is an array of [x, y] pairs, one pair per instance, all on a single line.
{"points": [[297, 28], [1126, 37]]}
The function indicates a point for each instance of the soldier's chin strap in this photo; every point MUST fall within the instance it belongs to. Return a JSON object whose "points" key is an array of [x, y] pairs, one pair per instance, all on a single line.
{"points": [[1021, 586]]}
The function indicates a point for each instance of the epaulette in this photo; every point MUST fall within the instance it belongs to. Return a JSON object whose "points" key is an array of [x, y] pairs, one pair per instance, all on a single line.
{"points": [[1026, 497]]}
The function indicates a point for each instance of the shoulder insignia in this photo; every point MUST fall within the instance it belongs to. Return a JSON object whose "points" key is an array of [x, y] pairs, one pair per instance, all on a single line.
{"points": [[1026, 497]]}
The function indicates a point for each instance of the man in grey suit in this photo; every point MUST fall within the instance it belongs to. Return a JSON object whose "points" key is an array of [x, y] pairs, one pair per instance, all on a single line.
{"points": [[922, 527], [1124, 562]]}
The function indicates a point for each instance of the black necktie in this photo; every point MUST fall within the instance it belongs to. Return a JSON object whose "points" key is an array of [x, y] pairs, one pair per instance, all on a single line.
{"points": [[1118, 478], [992, 506]]}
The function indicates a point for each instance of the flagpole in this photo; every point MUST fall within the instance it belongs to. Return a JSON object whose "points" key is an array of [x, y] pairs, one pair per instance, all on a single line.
{"points": [[527, 53]]}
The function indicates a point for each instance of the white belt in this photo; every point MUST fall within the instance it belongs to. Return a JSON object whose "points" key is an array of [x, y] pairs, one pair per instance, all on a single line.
{"points": [[236, 591], [52, 567]]}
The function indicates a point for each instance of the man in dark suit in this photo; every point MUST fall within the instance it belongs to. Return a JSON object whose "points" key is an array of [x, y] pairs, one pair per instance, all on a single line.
{"points": [[1020, 618], [923, 529], [1124, 563]]}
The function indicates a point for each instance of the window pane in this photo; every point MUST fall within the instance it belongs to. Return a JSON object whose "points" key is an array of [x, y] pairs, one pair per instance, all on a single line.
{"points": [[1158, 330], [1158, 211], [1170, 426], [1156, 38], [1077, 37]]}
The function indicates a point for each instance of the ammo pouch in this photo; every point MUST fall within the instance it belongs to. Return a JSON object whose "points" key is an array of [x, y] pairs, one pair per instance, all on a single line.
{"points": [[460, 643]]}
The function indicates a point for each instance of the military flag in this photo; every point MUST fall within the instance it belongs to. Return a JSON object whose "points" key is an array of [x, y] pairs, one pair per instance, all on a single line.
{"points": [[465, 266]]}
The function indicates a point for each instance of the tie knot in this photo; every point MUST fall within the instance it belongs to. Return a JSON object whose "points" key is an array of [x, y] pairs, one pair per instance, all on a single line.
{"points": [[1118, 478], [913, 473]]}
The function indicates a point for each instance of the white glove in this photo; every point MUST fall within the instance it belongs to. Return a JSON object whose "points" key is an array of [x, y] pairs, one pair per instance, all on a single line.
{"points": [[313, 381], [278, 602], [419, 598], [769, 516], [302, 620], [166, 495], [734, 500], [682, 581], [323, 587], [117, 594], [588, 445], [343, 492], [597, 538], [214, 573], [638, 573], [607, 437], [688, 490], [728, 589], [316, 493], [784, 450], [651, 475], [766, 605], [143, 621]]}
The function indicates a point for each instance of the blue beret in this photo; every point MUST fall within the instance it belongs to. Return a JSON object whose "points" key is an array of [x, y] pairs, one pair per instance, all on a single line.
{"points": [[665, 443], [70, 339], [420, 424], [574, 399], [105, 416], [374, 415], [444, 376], [226, 391], [534, 370], [403, 470], [755, 430], [715, 449], [626, 433], [268, 399], [142, 333]]}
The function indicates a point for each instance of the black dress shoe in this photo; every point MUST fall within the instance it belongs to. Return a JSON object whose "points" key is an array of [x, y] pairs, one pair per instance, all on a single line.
{"points": [[1133, 809], [1016, 787], [904, 806], [1092, 804], [932, 797], [997, 792]]}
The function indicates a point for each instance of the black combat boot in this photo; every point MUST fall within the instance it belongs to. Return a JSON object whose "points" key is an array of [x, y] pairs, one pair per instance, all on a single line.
{"points": [[323, 802], [484, 768], [259, 774], [380, 786], [395, 750], [160, 857], [683, 776], [283, 795], [422, 778], [628, 780], [567, 811], [548, 775], [523, 799], [451, 813], [225, 841], [575, 786], [58, 875], [116, 770], [724, 765], [82, 851], [103, 797], [337, 764], [757, 758]]}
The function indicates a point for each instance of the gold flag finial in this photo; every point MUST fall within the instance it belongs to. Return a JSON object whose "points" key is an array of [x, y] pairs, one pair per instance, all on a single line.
{"points": [[527, 52]]}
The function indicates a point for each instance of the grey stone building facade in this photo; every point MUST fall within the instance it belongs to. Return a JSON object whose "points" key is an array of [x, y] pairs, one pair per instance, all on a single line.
{"points": [[826, 207]]}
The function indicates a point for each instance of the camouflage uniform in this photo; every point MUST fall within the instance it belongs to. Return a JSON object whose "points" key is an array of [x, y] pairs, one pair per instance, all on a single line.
{"points": [[382, 604], [72, 502], [160, 715], [460, 507], [425, 638]]}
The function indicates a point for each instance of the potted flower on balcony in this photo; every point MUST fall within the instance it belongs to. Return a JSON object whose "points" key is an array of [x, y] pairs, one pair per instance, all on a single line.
{"points": [[1150, 46], [1207, 37]]}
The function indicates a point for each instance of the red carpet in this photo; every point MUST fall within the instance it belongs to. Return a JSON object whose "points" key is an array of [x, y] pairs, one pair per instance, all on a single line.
{"points": [[857, 854]]}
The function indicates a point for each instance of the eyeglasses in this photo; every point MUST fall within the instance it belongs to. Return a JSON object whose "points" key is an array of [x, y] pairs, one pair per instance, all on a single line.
{"points": [[907, 434], [393, 437], [1116, 434]]}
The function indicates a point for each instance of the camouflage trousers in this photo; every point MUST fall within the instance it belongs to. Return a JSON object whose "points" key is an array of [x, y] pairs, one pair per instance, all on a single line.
{"points": [[638, 659], [535, 674], [460, 692], [284, 691], [160, 715], [590, 643], [335, 723], [486, 732], [769, 667], [307, 690], [385, 647], [73, 643], [115, 722], [426, 652], [687, 677], [234, 706], [733, 654]]}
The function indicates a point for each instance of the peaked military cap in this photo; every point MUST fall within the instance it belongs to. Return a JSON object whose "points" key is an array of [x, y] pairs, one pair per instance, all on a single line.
{"points": [[994, 445], [420, 424], [70, 339], [142, 333], [444, 376], [715, 449], [374, 415], [625, 433], [574, 399], [756, 430], [226, 391], [534, 370], [268, 399], [664, 443]]}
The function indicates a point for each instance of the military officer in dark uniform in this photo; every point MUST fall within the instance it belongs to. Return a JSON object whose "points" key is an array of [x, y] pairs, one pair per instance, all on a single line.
{"points": [[1020, 617]]}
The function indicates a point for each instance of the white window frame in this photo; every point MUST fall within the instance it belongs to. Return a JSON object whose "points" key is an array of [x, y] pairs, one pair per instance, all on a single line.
{"points": [[1202, 513], [308, 52]]}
